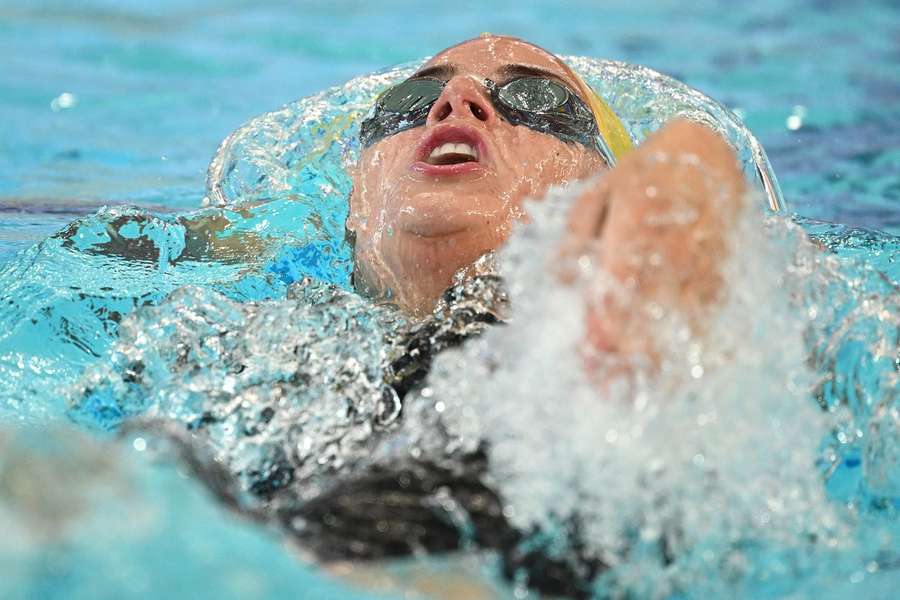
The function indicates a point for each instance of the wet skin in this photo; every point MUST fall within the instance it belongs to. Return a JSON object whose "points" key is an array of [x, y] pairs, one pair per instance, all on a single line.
{"points": [[417, 224], [658, 222]]}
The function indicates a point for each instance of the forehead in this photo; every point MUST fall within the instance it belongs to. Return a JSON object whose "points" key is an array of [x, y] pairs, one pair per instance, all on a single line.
{"points": [[488, 55]]}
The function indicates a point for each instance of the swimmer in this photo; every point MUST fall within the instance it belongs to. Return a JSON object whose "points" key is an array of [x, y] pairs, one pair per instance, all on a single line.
{"points": [[450, 154], [448, 158]]}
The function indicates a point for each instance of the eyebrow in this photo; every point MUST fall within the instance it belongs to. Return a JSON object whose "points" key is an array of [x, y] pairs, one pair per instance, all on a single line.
{"points": [[436, 71], [512, 71]]}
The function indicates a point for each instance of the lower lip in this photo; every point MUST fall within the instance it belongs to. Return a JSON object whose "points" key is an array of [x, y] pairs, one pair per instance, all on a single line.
{"points": [[420, 166]]}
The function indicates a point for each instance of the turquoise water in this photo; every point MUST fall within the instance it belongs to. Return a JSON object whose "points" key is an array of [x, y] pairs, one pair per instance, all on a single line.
{"points": [[157, 86], [115, 103]]}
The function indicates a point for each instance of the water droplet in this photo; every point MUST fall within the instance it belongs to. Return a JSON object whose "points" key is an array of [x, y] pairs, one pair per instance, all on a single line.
{"points": [[584, 261], [794, 122], [655, 310], [63, 101]]}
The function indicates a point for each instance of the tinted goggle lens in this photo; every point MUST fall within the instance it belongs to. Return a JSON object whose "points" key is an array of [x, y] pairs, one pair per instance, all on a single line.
{"points": [[412, 95], [533, 94], [541, 104]]}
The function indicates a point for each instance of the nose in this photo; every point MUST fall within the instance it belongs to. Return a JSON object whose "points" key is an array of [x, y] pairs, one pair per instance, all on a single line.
{"points": [[462, 98]]}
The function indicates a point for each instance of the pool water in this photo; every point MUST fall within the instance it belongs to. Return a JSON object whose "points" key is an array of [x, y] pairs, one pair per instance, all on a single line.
{"points": [[114, 103]]}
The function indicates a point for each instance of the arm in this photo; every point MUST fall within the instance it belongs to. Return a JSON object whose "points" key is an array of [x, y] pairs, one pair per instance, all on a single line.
{"points": [[138, 237]]}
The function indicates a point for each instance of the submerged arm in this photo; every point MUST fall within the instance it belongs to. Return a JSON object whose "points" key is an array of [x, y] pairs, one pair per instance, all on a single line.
{"points": [[140, 237]]}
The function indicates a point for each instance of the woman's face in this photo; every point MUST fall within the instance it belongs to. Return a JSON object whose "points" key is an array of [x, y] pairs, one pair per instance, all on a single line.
{"points": [[422, 210]]}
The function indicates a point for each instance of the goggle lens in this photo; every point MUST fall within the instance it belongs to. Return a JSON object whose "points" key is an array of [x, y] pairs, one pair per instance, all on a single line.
{"points": [[411, 95], [538, 103], [533, 94]]}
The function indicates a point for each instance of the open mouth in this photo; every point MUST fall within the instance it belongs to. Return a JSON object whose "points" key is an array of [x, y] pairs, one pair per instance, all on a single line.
{"points": [[451, 150], [452, 154]]}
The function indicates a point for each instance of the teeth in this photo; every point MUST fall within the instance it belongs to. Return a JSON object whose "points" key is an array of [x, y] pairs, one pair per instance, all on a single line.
{"points": [[443, 149]]}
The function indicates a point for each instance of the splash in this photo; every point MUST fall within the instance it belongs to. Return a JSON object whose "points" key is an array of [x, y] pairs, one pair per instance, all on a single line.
{"points": [[64, 299], [702, 479], [737, 467], [299, 378], [698, 480]]}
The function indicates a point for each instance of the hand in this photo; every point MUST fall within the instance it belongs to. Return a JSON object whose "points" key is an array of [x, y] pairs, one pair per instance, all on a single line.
{"points": [[658, 227]]}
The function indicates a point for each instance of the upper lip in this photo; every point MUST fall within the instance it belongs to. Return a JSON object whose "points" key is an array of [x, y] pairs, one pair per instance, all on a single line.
{"points": [[443, 134]]}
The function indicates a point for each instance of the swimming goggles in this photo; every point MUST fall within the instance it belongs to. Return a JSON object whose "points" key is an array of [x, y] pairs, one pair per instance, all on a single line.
{"points": [[541, 104]]}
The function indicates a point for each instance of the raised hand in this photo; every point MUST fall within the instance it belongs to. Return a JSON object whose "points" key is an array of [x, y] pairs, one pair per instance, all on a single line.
{"points": [[658, 228]]}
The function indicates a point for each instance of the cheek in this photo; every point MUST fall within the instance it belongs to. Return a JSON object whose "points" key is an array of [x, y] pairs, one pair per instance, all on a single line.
{"points": [[533, 162], [380, 169], [392, 153]]}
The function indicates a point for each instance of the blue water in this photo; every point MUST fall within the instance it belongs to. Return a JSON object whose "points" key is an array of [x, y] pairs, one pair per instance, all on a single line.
{"points": [[158, 85], [125, 102]]}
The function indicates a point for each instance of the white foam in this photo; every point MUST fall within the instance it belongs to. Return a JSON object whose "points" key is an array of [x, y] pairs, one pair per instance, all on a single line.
{"points": [[713, 456]]}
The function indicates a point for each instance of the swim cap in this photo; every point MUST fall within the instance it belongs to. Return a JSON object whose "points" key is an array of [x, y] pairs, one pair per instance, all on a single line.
{"points": [[611, 127]]}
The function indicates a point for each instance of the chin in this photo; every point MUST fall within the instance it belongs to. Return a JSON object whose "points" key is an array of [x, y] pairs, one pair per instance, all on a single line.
{"points": [[440, 215], [435, 226]]}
